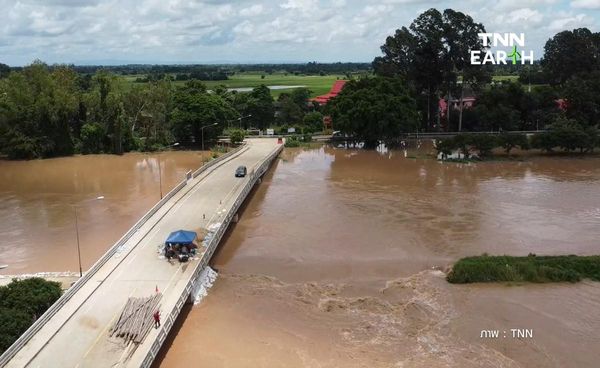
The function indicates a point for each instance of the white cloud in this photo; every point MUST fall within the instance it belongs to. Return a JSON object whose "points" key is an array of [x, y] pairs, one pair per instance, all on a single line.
{"points": [[302, 5], [252, 11], [523, 18], [569, 22], [508, 5], [586, 4], [154, 31]]}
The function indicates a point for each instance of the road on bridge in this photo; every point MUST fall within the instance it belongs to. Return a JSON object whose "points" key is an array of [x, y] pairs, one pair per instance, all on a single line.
{"points": [[77, 335]]}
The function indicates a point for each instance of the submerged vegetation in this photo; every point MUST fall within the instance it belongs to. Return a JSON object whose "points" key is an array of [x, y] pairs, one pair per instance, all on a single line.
{"points": [[563, 134], [532, 268]]}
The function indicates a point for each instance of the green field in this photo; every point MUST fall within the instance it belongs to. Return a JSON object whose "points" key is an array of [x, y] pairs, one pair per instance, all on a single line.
{"points": [[317, 84]]}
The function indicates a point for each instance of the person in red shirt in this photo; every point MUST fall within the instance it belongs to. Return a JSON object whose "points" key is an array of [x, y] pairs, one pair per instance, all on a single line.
{"points": [[156, 319]]}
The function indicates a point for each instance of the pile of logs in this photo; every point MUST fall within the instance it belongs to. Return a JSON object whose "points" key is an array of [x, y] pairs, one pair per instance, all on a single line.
{"points": [[137, 318]]}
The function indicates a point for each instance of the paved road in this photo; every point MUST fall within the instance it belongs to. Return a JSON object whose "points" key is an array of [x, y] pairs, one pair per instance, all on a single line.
{"points": [[77, 336]]}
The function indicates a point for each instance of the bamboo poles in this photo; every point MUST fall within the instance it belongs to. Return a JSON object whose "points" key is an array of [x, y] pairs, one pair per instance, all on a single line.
{"points": [[136, 319]]}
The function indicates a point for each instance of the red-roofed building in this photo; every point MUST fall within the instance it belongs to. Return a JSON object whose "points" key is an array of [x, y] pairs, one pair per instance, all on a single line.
{"points": [[334, 91]]}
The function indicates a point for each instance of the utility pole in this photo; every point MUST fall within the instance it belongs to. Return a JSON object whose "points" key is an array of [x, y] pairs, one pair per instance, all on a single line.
{"points": [[78, 247], [77, 234], [160, 170]]}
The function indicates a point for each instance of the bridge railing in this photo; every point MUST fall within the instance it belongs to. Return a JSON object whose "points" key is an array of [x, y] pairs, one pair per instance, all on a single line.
{"points": [[211, 163], [44, 318], [210, 249]]}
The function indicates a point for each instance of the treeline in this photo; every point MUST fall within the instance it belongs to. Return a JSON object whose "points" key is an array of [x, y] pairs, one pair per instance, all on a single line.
{"points": [[46, 112], [198, 75], [134, 69], [306, 68], [428, 65]]}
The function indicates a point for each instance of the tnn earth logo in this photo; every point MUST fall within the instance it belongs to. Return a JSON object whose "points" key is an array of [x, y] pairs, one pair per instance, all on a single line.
{"points": [[508, 40]]}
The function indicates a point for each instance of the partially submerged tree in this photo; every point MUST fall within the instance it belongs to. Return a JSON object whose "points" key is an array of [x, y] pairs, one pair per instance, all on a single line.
{"points": [[373, 110]]}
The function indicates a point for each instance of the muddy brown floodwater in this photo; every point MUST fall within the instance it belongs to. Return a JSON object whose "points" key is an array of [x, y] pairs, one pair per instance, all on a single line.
{"points": [[37, 231], [336, 263]]}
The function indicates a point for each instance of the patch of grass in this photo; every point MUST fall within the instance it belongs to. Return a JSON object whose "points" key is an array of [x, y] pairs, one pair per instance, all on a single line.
{"points": [[317, 84], [525, 269], [512, 78]]}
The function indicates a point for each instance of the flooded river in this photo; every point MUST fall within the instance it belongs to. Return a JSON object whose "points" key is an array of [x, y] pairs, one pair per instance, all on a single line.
{"points": [[337, 259], [37, 200]]}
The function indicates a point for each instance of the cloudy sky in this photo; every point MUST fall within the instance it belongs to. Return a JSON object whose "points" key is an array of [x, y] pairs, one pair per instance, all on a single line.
{"points": [[242, 31]]}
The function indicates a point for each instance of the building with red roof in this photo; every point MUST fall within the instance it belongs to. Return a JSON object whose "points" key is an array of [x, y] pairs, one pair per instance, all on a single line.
{"points": [[334, 91]]}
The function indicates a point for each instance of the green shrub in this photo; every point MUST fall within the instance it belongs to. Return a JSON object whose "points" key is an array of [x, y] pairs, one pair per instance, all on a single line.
{"points": [[525, 269], [236, 136], [568, 135], [21, 303], [509, 141], [462, 142], [483, 143], [92, 135], [292, 142], [12, 325], [445, 146]]}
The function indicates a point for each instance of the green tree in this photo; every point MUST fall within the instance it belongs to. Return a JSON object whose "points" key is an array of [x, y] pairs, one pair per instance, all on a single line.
{"points": [[147, 109], [92, 136], [37, 110], [374, 110], [570, 53], [483, 143], [21, 303], [32, 296], [510, 141], [567, 134], [12, 325], [300, 97], [431, 54], [289, 111], [4, 70], [583, 99], [194, 108], [314, 120], [259, 106], [236, 136]]}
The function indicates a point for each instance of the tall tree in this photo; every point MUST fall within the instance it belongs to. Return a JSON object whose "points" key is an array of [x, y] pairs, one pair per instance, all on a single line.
{"points": [[4, 70], [374, 110], [431, 54], [583, 100], [194, 108], [37, 109], [569, 53], [258, 105]]}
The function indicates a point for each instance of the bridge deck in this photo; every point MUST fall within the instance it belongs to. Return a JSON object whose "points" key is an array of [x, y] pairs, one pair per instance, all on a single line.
{"points": [[77, 335]]}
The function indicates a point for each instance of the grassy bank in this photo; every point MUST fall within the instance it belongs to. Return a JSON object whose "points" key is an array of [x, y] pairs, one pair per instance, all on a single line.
{"points": [[525, 269]]}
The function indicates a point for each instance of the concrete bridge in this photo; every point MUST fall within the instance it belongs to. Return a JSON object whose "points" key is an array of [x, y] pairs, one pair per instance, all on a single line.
{"points": [[74, 332]]}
